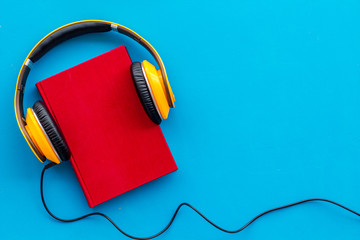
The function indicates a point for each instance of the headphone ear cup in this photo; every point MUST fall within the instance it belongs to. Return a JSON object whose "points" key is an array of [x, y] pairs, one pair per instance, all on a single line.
{"points": [[51, 130], [144, 93]]}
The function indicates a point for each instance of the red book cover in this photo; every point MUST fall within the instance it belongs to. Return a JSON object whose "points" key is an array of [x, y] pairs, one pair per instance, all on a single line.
{"points": [[114, 145]]}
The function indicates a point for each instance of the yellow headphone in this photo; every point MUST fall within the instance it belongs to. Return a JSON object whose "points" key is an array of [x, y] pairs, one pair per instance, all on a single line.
{"points": [[39, 128]]}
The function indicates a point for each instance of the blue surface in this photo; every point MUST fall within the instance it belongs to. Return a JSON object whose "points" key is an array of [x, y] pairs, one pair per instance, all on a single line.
{"points": [[267, 113]]}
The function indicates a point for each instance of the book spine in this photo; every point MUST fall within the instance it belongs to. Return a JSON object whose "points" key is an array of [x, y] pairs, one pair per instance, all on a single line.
{"points": [[82, 184], [72, 160]]}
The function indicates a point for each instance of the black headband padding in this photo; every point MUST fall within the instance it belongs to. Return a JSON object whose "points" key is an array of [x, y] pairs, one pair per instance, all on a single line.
{"points": [[67, 33], [51, 130], [144, 93], [23, 75]]}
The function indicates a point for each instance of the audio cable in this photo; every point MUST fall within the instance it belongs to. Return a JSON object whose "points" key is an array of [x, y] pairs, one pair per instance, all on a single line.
{"points": [[178, 209]]}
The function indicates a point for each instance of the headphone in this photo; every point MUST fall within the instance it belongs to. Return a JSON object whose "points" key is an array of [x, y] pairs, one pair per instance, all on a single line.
{"points": [[39, 128], [152, 86]]}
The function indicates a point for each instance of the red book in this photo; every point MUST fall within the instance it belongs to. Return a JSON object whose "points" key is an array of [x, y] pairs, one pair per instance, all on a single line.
{"points": [[114, 145]]}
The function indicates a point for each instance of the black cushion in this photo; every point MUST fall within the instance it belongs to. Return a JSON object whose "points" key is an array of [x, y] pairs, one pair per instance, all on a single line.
{"points": [[144, 92], [52, 131]]}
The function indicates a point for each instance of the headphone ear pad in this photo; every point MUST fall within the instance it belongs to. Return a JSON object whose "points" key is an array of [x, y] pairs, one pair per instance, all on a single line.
{"points": [[143, 92], [51, 130]]}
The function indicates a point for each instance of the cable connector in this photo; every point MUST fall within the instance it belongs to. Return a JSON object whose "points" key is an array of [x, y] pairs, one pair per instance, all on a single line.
{"points": [[50, 165]]}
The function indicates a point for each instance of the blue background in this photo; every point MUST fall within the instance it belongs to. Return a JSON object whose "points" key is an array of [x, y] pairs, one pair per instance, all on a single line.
{"points": [[267, 113]]}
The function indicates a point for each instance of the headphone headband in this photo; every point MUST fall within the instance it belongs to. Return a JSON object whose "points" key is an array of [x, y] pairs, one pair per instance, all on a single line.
{"points": [[60, 35]]}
